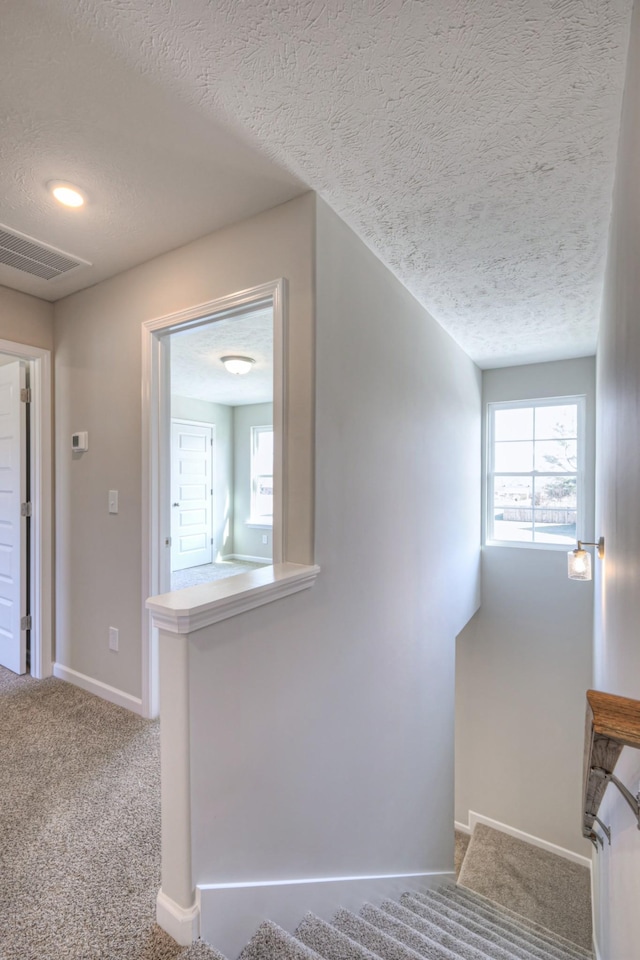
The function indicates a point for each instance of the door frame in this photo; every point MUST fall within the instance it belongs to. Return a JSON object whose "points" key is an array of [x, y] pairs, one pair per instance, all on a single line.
{"points": [[156, 417], [212, 427], [41, 539]]}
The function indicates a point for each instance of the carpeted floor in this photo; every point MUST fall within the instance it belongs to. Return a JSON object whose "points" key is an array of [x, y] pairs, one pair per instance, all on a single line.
{"points": [[538, 885], [79, 828], [208, 572]]}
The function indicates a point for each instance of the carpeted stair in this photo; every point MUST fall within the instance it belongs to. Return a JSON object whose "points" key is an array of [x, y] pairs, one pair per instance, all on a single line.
{"points": [[448, 924]]}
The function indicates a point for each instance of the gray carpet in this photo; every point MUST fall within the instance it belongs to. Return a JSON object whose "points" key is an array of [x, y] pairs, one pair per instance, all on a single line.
{"points": [[208, 572], [412, 929], [79, 828], [547, 889]]}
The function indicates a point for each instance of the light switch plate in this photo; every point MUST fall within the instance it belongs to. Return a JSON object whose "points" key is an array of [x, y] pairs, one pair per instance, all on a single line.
{"points": [[113, 501]]}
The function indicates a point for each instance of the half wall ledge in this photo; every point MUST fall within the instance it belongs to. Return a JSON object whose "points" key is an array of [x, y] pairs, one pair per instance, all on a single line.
{"points": [[194, 608]]}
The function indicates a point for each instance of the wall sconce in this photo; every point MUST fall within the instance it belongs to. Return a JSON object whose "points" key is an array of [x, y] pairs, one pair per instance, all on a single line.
{"points": [[237, 365], [579, 560]]}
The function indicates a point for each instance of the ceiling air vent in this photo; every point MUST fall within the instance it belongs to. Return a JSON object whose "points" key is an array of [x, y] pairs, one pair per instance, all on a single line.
{"points": [[31, 256]]}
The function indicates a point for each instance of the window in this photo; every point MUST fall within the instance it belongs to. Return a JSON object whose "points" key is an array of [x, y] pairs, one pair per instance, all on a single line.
{"points": [[262, 475], [534, 477]]}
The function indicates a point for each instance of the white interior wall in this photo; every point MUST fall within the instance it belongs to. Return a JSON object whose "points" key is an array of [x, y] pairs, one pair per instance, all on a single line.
{"points": [[524, 661], [322, 725], [221, 416], [98, 389], [247, 540], [617, 648]]}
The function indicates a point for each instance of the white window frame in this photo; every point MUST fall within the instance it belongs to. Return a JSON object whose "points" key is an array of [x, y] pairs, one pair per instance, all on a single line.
{"points": [[254, 519], [580, 402]]}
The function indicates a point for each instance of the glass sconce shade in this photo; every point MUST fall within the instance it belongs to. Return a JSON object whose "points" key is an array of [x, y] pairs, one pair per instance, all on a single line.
{"points": [[579, 563]]}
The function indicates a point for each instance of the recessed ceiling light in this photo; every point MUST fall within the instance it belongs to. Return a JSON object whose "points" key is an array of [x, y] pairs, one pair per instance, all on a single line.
{"points": [[66, 193], [237, 365]]}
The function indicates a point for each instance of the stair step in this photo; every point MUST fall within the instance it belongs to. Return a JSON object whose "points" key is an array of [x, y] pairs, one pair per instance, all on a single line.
{"points": [[413, 929], [477, 899], [473, 931], [271, 942], [480, 905], [381, 942], [478, 920], [496, 948], [330, 942]]}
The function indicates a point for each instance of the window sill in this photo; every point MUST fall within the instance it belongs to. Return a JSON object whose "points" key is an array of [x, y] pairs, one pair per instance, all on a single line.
{"points": [[194, 608], [259, 524], [531, 546]]}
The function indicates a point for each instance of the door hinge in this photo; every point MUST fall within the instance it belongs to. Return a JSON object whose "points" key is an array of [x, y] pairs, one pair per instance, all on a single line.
{"points": [[167, 541], [26, 623], [25, 395], [26, 509], [212, 540]]}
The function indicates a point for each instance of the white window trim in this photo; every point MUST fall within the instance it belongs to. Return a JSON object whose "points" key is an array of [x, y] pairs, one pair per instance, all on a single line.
{"points": [[255, 520], [580, 401], [156, 411]]}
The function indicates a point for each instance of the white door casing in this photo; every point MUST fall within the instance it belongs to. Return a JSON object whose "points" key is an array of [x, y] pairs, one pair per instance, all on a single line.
{"points": [[13, 539], [191, 494]]}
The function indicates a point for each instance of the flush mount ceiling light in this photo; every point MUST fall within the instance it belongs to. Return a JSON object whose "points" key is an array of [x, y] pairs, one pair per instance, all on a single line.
{"points": [[66, 193], [237, 365], [579, 560]]}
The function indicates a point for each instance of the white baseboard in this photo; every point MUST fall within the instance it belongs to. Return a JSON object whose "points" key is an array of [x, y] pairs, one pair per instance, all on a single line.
{"points": [[527, 837], [99, 689], [249, 559], [462, 827], [231, 913], [180, 923]]}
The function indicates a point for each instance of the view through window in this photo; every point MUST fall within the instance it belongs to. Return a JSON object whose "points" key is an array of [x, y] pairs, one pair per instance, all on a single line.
{"points": [[534, 482]]}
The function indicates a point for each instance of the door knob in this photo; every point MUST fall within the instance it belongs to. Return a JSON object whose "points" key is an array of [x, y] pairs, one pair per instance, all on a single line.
{"points": [[175, 504]]}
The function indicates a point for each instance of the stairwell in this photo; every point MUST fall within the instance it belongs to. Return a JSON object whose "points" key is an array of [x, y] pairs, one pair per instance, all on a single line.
{"points": [[450, 923]]}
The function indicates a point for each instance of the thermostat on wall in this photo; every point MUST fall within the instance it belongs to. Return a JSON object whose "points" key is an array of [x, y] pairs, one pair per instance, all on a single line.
{"points": [[80, 442]]}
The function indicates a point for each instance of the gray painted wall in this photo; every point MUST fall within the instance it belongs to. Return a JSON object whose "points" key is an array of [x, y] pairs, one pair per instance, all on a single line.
{"points": [[97, 376], [322, 725], [617, 643], [524, 661], [25, 319], [247, 540], [221, 416]]}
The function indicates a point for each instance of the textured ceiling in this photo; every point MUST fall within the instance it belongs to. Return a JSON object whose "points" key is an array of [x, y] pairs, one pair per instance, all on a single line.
{"points": [[196, 368], [470, 143]]}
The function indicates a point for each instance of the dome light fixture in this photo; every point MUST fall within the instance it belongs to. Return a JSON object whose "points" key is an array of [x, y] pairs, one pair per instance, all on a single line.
{"points": [[66, 193], [237, 365]]}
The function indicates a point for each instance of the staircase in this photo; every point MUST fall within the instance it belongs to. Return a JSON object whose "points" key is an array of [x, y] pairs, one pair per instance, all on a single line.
{"points": [[451, 923]]}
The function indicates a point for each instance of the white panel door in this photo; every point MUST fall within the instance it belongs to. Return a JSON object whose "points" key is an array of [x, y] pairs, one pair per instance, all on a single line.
{"points": [[13, 529], [191, 494]]}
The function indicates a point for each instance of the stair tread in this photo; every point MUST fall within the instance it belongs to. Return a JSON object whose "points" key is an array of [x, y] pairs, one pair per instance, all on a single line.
{"points": [[483, 939], [477, 902], [329, 942], [478, 898], [416, 926], [501, 927], [381, 941], [271, 942]]}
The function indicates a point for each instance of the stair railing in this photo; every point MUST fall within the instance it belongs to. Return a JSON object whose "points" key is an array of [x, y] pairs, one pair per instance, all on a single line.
{"points": [[612, 723]]}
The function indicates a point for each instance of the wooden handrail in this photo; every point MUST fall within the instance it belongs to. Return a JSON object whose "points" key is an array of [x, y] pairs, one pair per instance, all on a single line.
{"points": [[612, 723]]}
